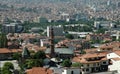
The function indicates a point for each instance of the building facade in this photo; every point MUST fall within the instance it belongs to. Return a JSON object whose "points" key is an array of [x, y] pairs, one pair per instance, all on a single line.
{"points": [[11, 28], [92, 62], [114, 58], [58, 31]]}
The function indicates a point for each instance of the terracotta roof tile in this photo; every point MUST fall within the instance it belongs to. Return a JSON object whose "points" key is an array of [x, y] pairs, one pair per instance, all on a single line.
{"points": [[39, 70], [117, 52], [83, 58], [116, 59], [5, 50]]}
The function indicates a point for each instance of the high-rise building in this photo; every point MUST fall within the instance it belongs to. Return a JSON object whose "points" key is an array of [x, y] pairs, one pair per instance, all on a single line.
{"points": [[11, 28]]}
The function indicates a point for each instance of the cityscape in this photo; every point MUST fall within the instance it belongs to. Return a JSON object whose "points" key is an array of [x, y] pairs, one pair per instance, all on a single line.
{"points": [[59, 36]]}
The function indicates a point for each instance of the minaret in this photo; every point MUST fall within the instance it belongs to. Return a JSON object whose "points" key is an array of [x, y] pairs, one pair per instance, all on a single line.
{"points": [[52, 53]]}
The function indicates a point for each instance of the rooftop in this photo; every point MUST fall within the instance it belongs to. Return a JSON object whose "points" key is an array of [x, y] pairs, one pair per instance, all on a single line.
{"points": [[61, 51], [5, 50], [116, 59], [83, 58], [39, 70]]}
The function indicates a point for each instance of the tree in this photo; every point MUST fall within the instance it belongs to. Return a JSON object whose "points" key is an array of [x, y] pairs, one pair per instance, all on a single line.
{"points": [[38, 63], [29, 63], [8, 65], [6, 72], [82, 52], [101, 30], [69, 36], [39, 55], [16, 56], [3, 41], [66, 63], [0, 71], [76, 65], [7, 68]]}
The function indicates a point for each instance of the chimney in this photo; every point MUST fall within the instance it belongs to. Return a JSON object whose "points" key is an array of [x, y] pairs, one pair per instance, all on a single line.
{"points": [[52, 53]]}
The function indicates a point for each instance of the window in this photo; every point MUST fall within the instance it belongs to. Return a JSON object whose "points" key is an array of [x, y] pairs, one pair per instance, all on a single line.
{"points": [[82, 65], [72, 72], [98, 64], [104, 62], [119, 46], [83, 70], [87, 65], [94, 64], [80, 72], [87, 69]]}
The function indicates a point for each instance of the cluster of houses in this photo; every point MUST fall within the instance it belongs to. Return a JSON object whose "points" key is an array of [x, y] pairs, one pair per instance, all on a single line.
{"points": [[104, 58]]}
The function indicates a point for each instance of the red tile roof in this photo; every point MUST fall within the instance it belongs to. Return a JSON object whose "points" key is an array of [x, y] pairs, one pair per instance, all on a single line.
{"points": [[39, 70], [5, 50], [83, 58], [116, 59]]}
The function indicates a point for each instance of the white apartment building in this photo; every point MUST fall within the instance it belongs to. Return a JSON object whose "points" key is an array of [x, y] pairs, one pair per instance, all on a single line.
{"points": [[114, 58], [103, 24]]}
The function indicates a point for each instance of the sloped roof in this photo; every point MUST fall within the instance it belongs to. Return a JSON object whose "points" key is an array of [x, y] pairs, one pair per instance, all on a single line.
{"points": [[61, 51], [39, 70], [5, 50]]}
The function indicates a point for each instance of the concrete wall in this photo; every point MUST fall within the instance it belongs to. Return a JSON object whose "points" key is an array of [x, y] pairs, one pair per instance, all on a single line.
{"points": [[71, 71]]}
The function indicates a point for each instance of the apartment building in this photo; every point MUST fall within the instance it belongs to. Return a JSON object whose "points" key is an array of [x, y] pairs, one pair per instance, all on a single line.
{"points": [[11, 28], [100, 37], [92, 62], [114, 58], [104, 24]]}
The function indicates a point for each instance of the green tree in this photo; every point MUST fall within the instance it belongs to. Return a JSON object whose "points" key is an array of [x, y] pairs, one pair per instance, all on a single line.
{"points": [[76, 65], [29, 63], [66, 63], [39, 55], [38, 63], [101, 30], [3, 41], [8, 65], [16, 56], [82, 52], [69, 36], [7, 68], [6, 72], [0, 71]]}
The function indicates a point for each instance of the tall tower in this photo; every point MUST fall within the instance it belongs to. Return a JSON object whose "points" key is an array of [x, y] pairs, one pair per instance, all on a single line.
{"points": [[52, 53]]}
